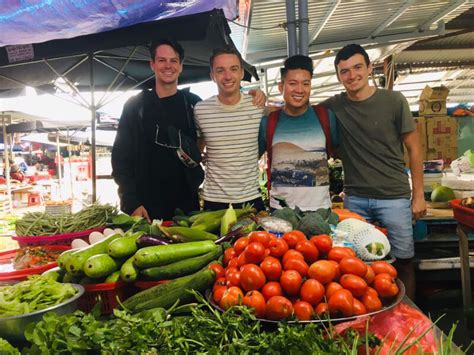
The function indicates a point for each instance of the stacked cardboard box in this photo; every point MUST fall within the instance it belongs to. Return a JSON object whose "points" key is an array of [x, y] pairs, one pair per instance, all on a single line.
{"points": [[437, 130]]}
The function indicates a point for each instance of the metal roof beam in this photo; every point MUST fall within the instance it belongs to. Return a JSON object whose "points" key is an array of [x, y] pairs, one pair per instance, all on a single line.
{"points": [[392, 39], [319, 27], [437, 65], [438, 47], [392, 18], [440, 15]]}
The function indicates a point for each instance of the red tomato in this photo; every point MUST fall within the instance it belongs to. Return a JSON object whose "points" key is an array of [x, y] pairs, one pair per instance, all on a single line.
{"points": [[341, 303], [279, 307], [293, 237], [312, 291], [291, 281], [359, 308], [298, 265], [242, 259], [218, 292], [229, 254], [271, 289], [254, 252], [353, 265], [370, 275], [308, 249], [353, 283], [218, 269], [323, 242], [231, 297], [234, 262], [381, 267], [338, 271], [321, 309], [292, 254], [303, 310], [338, 253], [233, 277], [240, 244], [370, 291], [322, 270], [255, 301], [260, 237], [252, 277], [221, 281], [371, 302], [385, 285], [331, 288], [278, 247], [271, 267]]}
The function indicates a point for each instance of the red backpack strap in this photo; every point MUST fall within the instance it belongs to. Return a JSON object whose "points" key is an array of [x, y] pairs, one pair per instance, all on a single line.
{"points": [[271, 126], [323, 116]]}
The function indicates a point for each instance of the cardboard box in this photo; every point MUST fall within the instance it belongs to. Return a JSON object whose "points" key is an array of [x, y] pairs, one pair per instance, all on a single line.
{"points": [[442, 142], [421, 129], [432, 101]]}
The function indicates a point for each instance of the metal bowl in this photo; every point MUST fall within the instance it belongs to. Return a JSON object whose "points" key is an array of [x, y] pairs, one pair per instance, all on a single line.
{"points": [[13, 328]]}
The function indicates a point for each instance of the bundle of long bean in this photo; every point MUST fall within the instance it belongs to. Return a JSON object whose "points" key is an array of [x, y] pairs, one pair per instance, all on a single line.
{"points": [[42, 224]]}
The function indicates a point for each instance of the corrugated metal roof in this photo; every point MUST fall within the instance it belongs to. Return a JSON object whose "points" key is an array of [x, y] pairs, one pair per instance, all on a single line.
{"points": [[386, 27]]}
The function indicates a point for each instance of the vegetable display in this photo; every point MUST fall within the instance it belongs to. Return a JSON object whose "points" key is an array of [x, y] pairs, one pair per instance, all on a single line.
{"points": [[306, 278], [43, 224], [34, 294]]}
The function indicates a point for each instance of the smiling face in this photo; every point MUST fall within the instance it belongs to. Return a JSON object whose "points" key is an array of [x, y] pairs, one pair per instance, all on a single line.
{"points": [[166, 65], [227, 74], [354, 73], [296, 89]]}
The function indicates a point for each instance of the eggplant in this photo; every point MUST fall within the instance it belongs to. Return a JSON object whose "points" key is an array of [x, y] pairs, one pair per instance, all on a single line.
{"points": [[147, 240], [227, 237]]}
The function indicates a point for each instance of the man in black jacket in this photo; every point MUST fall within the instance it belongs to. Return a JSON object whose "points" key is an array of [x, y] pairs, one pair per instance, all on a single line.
{"points": [[152, 178]]}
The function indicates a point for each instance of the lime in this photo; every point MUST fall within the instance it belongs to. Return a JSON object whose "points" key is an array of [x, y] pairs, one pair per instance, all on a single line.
{"points": [[442, 194]]}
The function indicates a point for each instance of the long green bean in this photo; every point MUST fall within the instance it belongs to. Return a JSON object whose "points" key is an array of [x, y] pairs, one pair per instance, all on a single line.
{"points": [[44, 224]]}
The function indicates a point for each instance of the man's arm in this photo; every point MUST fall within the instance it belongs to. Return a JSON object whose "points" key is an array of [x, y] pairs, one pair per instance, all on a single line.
{"points": [[259, 97], [412, 142]]}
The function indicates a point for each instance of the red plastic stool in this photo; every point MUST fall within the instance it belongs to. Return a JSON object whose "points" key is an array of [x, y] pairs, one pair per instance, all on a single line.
{"points": [[34, 199]]}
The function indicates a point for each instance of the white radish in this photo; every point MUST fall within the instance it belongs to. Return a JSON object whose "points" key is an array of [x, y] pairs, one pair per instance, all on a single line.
{"points": [[108, 231], [119, 230], [79, 243], [95, 237]]}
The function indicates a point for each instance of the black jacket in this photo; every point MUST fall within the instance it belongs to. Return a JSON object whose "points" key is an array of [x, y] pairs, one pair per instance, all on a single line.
{"points": [[128, 152]]}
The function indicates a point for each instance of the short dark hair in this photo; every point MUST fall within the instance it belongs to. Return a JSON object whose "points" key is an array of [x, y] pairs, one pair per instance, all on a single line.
{"points": [[225, 50], [169, 42], [297, 62], [348, 51]]}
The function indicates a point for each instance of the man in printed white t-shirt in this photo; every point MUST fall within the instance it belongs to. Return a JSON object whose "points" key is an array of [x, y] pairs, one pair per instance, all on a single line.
{"points": [[228, 125]]}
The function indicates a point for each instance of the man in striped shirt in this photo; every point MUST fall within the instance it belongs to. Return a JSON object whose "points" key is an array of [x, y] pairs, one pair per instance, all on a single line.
{"points": [[228, 125]]}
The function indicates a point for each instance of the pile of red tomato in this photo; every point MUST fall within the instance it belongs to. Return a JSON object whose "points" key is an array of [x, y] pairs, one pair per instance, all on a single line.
{"points": [[292, 276]]}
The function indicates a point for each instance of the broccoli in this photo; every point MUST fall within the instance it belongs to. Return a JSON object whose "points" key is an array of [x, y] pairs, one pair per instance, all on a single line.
{"points": [[313, 224], [333, 218], [324, 212], [287, 214]]}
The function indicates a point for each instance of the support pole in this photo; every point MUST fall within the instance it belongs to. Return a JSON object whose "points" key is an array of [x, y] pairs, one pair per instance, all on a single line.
{"points": [[93, 128], [303, 40], [291, 27]]}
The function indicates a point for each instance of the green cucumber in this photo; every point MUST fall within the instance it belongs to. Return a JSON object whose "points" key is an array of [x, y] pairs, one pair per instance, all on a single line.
{"points": [[113, 277], [158, 255], [69, 278], [166, 294], [100, 265], [56, 273], [182, 267], [126, 246], [86, 280], [75, 264], [128, 271]]}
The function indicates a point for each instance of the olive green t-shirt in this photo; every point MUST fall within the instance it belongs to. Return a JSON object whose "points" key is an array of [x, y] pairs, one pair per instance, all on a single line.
{"points": [[371, 145]]}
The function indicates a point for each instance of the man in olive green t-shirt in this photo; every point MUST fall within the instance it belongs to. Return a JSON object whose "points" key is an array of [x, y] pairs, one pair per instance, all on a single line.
{"points": [[373, 126]]}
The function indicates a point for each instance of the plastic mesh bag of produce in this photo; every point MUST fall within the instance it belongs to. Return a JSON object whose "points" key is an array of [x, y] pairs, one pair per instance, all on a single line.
{"points": [[369, 243], [399, 329]]}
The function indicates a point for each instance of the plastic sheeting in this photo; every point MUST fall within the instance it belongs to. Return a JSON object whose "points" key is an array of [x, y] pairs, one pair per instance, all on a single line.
{"points": [[35, 21]]}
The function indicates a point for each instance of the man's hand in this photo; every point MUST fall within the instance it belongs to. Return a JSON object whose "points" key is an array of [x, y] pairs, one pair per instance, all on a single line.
{"points": [[418, 207], [259, 97], [140, 211]]}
